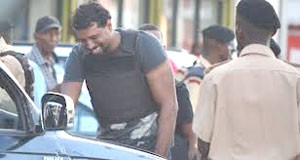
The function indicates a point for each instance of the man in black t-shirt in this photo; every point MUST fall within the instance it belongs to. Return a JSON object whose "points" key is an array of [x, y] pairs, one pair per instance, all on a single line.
{"points": [[128, 77]]}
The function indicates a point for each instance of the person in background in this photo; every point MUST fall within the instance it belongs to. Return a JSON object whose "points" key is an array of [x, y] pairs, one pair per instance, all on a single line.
{"points": [[249, 107], [153, 30], [129, 79], [217, 41], [185, 143], [196, 49], [11, 62], [15, 62], [47, 35]]}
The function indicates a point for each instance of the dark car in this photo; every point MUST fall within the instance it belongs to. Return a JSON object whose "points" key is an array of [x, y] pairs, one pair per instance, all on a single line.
{"points": [[28, 133]]}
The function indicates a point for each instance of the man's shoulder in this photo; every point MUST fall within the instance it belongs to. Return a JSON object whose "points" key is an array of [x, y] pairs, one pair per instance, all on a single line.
{"points": [[221, 66], [16, 55], [144, 36], [78, 50], [128, 34], [296, 65], [293, 66], [19, 65]]}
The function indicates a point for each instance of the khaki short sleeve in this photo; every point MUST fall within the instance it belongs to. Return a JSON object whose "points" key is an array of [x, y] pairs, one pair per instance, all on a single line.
{"points": [[204, 116]]}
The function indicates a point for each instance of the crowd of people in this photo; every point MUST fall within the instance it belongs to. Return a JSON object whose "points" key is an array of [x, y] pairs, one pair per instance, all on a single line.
{"points": [[219, 108]]}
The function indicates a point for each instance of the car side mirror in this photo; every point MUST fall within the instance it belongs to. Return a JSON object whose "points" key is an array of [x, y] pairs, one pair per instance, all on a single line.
{"points": [[57, 111]]}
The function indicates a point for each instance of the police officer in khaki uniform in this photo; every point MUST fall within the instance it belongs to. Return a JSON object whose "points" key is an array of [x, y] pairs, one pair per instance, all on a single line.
{"points": [[249, 108], [217, 41]]}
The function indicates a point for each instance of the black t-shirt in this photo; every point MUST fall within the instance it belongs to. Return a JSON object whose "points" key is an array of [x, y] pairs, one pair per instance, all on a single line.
{"points": [[150, 51]]}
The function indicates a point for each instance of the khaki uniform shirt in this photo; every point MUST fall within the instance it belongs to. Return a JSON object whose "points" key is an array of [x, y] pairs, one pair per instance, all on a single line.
{"points": [[249, 108], [203, 62]]}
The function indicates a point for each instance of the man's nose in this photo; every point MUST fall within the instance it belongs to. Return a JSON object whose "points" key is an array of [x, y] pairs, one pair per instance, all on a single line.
{"points": [[55, 38], [90, 45]]}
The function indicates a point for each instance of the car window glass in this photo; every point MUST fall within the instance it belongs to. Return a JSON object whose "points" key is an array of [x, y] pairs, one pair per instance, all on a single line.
{"points": [[10, 100], [9, 118]]}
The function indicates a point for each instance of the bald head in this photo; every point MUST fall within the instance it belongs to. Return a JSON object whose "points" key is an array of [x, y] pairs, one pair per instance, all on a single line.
{"points": [[153, 30]]}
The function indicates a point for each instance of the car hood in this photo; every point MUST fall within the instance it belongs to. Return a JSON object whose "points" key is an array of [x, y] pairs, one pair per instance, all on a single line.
{"points": [[64, 144]]}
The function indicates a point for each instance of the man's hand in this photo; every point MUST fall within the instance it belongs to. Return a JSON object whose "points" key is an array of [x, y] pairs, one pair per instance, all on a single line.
{"points": [[56, 88], [71, 89], [193, 153], [190, 136]]}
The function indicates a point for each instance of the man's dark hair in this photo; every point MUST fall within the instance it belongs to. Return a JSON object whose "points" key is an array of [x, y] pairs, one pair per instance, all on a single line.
{"points": [[215, 34], [218, 33], [148, 27], [90, 12]]}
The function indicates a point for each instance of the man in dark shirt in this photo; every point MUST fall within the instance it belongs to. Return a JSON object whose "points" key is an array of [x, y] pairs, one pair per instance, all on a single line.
{"points": [[129, 79]]}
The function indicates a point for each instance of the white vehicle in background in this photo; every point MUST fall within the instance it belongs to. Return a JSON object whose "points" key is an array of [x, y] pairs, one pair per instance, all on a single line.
{"points": [[182, 58]]}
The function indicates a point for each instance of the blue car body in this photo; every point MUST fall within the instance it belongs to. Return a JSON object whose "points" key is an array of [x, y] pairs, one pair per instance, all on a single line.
{"points": [[23, 136]]}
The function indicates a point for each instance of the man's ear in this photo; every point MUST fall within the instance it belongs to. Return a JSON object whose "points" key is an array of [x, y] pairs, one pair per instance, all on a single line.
{"points": [[238, 32], [274, 32], [109, 25], [35, 36], [221, 45], [238, 29]]}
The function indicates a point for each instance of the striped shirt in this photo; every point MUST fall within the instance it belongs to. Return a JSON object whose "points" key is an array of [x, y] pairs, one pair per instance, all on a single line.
{"points": [[46, 65]]}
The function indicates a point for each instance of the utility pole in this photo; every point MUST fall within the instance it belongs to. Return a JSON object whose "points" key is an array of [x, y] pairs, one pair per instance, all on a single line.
{"points": [[120, 13], [174, 23], [197, 21], [283, 32]]}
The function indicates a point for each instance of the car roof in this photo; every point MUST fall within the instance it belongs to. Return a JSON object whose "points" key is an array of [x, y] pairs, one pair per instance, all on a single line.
{"points": [[62, 49]]}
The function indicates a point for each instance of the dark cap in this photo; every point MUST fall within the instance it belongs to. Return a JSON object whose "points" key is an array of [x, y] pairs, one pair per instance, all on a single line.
{"points": [[46, 23], [219, 33], [259, 13]]}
